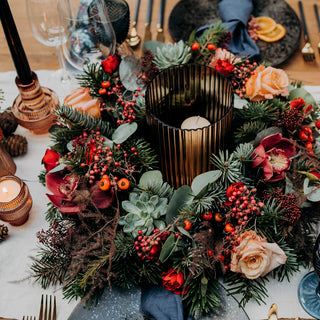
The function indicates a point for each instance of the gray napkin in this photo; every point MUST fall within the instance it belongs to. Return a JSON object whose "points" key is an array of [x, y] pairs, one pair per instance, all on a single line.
{"points": [[235, 15]]}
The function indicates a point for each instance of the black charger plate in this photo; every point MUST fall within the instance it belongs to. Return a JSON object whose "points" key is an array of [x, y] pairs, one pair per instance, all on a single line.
{"points": [[188, 15]]}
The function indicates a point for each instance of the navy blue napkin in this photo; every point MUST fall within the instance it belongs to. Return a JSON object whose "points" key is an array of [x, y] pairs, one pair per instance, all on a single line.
{"points": [[158, 303], [235, 15]]}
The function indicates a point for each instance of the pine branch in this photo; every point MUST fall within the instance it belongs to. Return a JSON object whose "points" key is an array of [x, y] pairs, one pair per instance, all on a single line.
{"points": [[248, 131], [82, 121], [203, 295], [249, 289]]}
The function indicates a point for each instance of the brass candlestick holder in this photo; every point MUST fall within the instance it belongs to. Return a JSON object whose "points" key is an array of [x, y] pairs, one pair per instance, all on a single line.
{"points": [[34, 106]]}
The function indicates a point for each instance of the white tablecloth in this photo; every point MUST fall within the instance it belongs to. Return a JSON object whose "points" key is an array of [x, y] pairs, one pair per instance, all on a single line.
{"points": [[20, 295]]}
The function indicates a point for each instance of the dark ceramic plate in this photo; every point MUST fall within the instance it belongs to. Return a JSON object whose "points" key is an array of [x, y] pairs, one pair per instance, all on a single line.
{"points": [[125, 305], [189, 15]]}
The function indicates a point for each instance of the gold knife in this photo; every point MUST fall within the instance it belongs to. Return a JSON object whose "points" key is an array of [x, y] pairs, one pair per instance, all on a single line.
{"points": [[160, 34], [147, 31]]}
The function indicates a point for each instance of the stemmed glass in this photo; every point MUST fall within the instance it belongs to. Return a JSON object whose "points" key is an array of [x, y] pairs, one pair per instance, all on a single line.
{"points": [[47, 28], [89, 32], [309, 287]]}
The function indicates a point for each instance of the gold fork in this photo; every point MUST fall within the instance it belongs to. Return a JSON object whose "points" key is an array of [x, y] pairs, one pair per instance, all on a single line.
{"points": [[49, 312], [318, 21], [307, 51]]}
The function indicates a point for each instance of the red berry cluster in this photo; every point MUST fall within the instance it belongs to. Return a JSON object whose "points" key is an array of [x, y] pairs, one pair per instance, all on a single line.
{"points": [[149, 247], [90, 153], [290, 119], [148, 68], [288, 203], [241, 74]]}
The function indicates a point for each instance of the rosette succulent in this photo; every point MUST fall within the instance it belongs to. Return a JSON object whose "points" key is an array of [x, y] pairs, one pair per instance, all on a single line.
{"points": [[172, 54], [146, 212]]}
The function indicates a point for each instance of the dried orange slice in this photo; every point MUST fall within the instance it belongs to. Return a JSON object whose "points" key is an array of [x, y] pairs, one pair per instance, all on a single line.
{"points": [[275, 35], [266, 24]]}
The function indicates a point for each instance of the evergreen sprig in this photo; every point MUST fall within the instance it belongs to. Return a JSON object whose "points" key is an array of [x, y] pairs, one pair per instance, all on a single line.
{"points": [[249, 288], [249, 130]]}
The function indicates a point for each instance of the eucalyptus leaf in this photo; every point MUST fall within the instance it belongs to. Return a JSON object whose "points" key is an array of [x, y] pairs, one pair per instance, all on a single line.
{"points": [[184, 232], [150, 178], [203, 179], [168, 248], [179, 199], [159, 224], [58, 168], [304, 94], [312, 193], [129, 69], [123, 132]]}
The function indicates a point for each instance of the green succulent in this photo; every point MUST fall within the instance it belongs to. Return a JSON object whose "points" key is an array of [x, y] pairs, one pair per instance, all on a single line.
{"points": [[146, 212], [172, 54]]}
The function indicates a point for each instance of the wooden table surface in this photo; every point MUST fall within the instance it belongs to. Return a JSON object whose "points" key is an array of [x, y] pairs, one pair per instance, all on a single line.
{"points": [[43, 57]]}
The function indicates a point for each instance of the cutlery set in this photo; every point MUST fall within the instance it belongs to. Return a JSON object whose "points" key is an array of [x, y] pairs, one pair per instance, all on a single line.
{"points": [[133, 38], [308, 53]]}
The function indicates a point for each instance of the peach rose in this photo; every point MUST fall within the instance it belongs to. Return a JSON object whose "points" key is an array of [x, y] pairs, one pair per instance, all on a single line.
{"points": [[81, 99], [267, 83], [255, 257]]}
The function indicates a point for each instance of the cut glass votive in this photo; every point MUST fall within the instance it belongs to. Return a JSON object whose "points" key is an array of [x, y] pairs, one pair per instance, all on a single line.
{"points": [[176, 94]]}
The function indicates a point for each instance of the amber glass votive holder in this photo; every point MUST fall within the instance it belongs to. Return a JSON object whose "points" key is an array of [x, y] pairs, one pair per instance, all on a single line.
{"points": [[179, 93], [15, 207]]}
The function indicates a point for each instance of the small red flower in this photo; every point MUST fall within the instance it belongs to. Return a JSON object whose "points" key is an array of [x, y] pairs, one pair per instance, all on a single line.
{"points": [[50, 159], [224, 67], [111, 64], [317, 124], [297, 103], [173, 281]]}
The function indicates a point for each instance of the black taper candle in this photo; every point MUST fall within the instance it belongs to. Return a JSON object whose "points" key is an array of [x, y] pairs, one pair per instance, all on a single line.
{"points": [[17, 52]]}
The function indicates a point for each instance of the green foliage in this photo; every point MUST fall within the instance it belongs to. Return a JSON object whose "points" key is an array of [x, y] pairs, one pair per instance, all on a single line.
{"points": [[248, 131], [172, 54], [92, 77], [249, 288], [145, 212], [203, 294]]}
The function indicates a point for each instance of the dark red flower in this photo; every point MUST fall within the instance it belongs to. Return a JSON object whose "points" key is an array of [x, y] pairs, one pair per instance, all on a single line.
{"points": [[50, 159], [224, 67], [173, 281], [273, 154], [317, 124], [297, 103], [111, 64]]}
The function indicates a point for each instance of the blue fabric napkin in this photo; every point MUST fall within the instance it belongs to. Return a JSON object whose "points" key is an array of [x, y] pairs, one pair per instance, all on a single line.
{"points": [[158, 303], [235, 15]]}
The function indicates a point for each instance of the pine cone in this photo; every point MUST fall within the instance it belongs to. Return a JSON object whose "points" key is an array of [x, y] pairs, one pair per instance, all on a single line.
{"points": [[16, 145], [3, 232], [8, 122]]}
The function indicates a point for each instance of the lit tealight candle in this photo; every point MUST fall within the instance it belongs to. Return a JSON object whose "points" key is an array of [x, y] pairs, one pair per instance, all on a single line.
{"points": [[15, 200], [195, 122], [9, 189]]}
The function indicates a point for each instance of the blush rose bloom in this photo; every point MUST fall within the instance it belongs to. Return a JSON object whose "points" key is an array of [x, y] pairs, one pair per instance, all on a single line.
{"points": [[267, 83], [255, 257], [273, 154]]}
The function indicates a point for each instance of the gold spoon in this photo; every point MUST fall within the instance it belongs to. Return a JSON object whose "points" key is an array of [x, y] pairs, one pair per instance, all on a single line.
{"points": [[133, 38]]}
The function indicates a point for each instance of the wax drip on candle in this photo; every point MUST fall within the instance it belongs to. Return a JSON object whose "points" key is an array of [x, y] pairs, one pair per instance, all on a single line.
{"points": [[195, 122]]}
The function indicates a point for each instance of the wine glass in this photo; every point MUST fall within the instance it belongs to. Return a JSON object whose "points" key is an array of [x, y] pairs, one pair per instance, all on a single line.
{"points": [[89, 32], [309, 289], [45, 23]]}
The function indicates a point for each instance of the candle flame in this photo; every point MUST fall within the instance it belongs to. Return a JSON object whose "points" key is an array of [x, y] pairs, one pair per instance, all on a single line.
{"points": [[4, 190]]}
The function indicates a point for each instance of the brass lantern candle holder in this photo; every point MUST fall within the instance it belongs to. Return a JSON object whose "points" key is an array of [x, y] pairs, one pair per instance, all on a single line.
{"points": [[202, 100]]}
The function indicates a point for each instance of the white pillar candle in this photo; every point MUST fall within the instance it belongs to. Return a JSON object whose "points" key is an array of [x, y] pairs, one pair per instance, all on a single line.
{"points": [[195, 122], [9, 189]]}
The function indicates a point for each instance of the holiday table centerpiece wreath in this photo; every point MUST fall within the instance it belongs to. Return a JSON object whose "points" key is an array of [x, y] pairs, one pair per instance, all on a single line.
{"points": [[115, 221]]}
